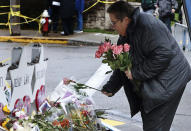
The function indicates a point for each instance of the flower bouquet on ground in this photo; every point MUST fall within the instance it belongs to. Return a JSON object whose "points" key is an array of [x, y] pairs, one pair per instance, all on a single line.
{"points": [[70, 111]]}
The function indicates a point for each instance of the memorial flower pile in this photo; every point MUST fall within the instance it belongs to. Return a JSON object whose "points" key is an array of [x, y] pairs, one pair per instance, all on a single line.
{"points": [[72, 111]]}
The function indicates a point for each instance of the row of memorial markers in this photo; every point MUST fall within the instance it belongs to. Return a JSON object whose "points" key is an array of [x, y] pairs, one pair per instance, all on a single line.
{"points": [[22, 80]]}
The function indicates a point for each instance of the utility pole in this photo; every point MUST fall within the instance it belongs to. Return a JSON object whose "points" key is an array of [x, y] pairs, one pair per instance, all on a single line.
{"points": [[15, 29]]}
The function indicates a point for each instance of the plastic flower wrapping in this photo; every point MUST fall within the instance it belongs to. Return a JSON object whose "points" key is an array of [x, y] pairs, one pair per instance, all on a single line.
{"points": [[69, 109]]}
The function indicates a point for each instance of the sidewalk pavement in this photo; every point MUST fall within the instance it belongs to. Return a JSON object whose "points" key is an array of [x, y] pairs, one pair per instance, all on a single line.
{"points": [[33, 36]]}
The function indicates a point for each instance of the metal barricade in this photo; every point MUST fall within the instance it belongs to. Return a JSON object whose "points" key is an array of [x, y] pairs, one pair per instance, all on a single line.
{"points": [[182, 36]]}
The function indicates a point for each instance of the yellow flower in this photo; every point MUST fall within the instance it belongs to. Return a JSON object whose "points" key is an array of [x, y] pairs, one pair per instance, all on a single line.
{"points": [[23, 110], [6, 110], [5, 123]]}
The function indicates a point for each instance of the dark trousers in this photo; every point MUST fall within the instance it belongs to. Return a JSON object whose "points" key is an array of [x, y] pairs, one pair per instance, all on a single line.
{"points": [[167, 22], [160, 119], [55, 17], [67, 24], [79, 21]]}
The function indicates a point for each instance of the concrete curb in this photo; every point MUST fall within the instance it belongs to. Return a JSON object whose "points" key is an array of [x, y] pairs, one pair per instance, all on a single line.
{"points": [[82, 43], [47, 40], [26, 39]]}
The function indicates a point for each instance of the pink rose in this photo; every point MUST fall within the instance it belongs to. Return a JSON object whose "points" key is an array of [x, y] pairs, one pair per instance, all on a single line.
{"points": [[126, 47], [113, 46], [101, 49], [98, 54], [66, 81], [117, 49], [106, 46]]}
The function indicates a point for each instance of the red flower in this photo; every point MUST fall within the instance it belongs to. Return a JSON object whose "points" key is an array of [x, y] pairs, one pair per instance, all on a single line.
{"points": [[86, 122], [101, 49], [65, 123], [117, 49], [98, 54], [126, 47], [55, 123], [85, 113]]}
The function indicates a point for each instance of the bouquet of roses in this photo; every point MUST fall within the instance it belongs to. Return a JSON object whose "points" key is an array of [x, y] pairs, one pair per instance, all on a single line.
{"points": [[116, 56]]}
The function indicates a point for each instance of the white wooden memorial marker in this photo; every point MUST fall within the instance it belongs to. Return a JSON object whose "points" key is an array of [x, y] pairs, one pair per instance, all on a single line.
{"points": [[20, 75], [3, 73], [40, 66]]}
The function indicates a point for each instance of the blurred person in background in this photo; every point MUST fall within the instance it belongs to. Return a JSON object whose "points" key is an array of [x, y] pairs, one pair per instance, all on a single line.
{"points": [[79, 6], [166, 11], [148, 6], [186, 44], [54, 9], [67, 10]]}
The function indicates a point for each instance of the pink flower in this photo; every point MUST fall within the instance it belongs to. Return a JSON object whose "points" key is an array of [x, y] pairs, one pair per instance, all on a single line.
{"points": [[66, 81], [98, 54], [113, 46], [106, 46], [126, 47], [101, 49], [117, 49]]}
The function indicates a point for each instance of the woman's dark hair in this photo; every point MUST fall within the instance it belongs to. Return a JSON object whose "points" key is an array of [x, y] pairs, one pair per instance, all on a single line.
{"points": [[121, 9]]}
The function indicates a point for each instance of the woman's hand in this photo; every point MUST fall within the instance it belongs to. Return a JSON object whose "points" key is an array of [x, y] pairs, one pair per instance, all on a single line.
{"points": [[129, 75], [107, 94], [173, 10]]}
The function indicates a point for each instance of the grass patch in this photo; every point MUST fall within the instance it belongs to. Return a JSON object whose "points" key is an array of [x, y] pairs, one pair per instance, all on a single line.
{"points": [[99, 31], [175, 19]]}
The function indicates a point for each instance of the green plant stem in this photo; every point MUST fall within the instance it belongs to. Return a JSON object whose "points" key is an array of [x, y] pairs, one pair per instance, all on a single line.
{"points": [[85, 86]]}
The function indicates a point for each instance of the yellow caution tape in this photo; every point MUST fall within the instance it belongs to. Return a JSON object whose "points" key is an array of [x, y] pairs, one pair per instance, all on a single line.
{"points": [[8, 23], [7, 84], [13, 6], [4, 13], [98, 1], [3, 61], [18, 14], [107, 2], [91, 6], [37, 19]]}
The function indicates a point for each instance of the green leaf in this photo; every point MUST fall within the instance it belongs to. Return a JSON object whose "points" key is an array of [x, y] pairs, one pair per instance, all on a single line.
{"points": [[105, 61], [79, 84], [124, 68], [117, 64], [112, 66], [121, 57]]}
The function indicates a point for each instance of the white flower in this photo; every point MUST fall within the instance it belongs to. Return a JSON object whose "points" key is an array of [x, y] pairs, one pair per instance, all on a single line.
{"points": [[35, 128], [33, 114], [20, 114], [18, 127]]}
